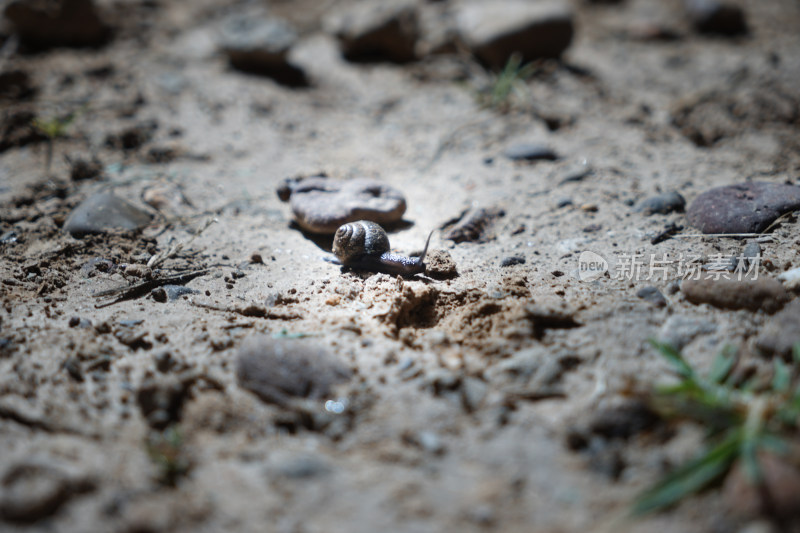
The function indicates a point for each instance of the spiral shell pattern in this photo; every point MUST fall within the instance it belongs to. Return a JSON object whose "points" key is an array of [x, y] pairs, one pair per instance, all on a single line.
{"points": [[358, 239]]}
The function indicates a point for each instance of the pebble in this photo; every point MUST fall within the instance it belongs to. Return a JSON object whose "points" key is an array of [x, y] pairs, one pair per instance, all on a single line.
{"points": [[663, 204], [765, 294], [781, 333], [494, 31], [564, 202], [529, 152], [277, 370], [473, 392], [780, 479], [791, 279], [680, 330], [473, 225], [377, 31], [84, 169], [257, 43], [292, 465], [104, 211], [715, 17], [321, 205], [439, 264], [42, 25], [170, 293], [742, 208], [35, 490], [512, 260], [652, 295]]}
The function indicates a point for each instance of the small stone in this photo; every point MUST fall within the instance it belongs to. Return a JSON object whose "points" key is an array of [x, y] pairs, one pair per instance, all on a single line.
{"points": [[277, 370], [529, 152], [83, 169], [33, 491], [564, 202], [42, 25], [377, 31], [170, 293], [662, 204], [259, 44], [715, 17], [292, 465], [652, 295], [321, 205], [776, 496], [439, 264], [473, 392], [104, 211], [765, 294], [790, 279], [495, 30], [781, 333], [680, 330], [751, 254], [512, 260], [743, 208], [256, 259]]}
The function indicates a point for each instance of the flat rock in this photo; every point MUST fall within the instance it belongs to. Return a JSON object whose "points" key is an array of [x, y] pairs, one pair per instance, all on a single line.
{"points": [[257, 43], [714, 17], [321, 205], [494, 31], [653, 295], [781, 333], [765, 294], [662, 204], [377, 31], [104, 211], [42, 25], [742, 208], [529, 152], [277, 370]]}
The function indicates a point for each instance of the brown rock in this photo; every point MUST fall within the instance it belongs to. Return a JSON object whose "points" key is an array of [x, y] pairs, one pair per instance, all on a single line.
{"points": [[378, 31], [61, 23], [782, 332], [765, 294]]}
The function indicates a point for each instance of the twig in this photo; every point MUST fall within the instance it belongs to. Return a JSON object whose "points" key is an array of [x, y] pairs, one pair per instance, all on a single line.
{"points": [[140, 289], [175, 249]]}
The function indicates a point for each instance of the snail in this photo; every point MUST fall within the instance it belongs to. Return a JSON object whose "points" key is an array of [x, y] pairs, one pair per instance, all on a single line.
{"points": [[364, 245]]}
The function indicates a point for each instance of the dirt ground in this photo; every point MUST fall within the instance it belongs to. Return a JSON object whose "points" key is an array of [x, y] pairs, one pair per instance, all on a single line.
{"points": [[465, 391]]}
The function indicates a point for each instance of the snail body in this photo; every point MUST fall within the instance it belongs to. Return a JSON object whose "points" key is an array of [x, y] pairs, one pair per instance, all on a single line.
{"points": [[364, 245]]}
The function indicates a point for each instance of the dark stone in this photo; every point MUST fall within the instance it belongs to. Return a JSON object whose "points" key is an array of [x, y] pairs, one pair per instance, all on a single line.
{"points": [[765, 294], [530, 152], [259, 44], [170, 293], [277, 370], [512, 260], [42, 25], [652, 295], [781, 333], [714, 17], [662, 204], [104, 211], [623, 421], [494, 31], [742, 208], [82, 169], [378, 31]]}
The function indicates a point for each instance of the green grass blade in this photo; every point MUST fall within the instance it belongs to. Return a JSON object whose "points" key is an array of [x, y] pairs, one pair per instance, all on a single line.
{"points": [[674, 357], [690, 478], [781, 378], [723, 364], [796, 353]]}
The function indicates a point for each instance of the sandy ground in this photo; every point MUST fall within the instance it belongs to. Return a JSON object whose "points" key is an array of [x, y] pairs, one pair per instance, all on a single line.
{"points": [[439, 431]]}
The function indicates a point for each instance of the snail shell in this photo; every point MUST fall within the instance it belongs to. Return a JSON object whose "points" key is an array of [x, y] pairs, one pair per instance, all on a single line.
{"points": [[364, 245]]}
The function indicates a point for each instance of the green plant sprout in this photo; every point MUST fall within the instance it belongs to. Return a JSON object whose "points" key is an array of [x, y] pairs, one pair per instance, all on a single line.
{"points": [[511, 81], [53, 128], [166, 450], [743, 418]]}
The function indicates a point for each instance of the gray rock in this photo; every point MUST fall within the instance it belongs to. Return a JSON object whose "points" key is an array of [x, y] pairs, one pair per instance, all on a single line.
{"points": [[321, 205], [680, 330], [530, 152], [715, 17], [104, 211], [277, 370], [512, 260], [377, 31], [473, 391], [781, 333], [742, 208], [495, 30], [662, 204], [652, 295], [765, 294], [259, 44], [41, 25]]}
